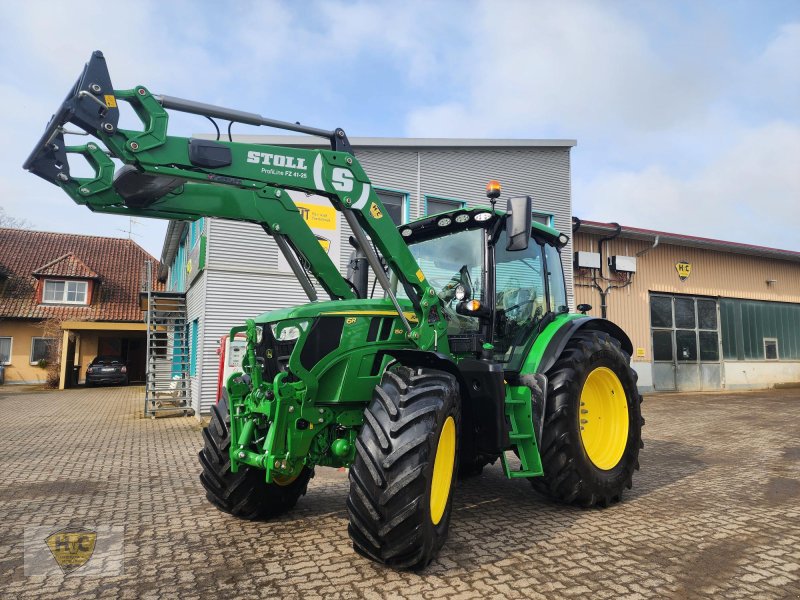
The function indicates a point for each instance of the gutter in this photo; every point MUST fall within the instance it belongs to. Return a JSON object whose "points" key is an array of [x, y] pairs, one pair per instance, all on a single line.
{"points": [[172, 239]]}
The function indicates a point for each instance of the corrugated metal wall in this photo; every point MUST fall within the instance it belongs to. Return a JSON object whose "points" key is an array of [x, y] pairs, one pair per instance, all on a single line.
{"points": [[241, 278], [195, 309], [745, 324], [714, 274]]}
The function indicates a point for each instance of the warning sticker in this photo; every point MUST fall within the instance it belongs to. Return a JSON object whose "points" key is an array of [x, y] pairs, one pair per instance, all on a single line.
{"points": [[111, 102]]}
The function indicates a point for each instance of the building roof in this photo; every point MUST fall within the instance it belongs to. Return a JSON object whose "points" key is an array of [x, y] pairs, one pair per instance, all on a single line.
{"points": [[680, 239], [398, 142], [117, 265], [66, 266]]}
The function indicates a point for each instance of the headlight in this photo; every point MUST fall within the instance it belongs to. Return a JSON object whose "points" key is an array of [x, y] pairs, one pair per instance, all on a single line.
{"points": [[259, 334], [462, 218], [484, 216], [288, 333], [444, 221], [461, 293]]}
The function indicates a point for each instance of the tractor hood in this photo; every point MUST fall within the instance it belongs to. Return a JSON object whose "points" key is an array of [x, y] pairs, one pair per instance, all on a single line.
{"points": [[338, 308]]}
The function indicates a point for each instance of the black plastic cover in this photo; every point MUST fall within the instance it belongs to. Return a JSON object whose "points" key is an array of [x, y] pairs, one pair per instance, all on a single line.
{"points": [[210, 154], [486, 388], [142, 189]]}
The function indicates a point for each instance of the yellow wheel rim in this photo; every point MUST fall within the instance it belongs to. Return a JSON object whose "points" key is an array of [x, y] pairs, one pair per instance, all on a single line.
{"points": [[604, 418], [283, 480], [443, 470]]}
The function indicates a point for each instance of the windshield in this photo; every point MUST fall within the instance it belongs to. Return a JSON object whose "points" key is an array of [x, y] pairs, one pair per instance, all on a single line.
{"points": [[448, 261]]}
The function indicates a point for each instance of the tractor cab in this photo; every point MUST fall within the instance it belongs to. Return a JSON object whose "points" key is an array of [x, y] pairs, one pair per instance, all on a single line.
{"points": [[499, 277]]}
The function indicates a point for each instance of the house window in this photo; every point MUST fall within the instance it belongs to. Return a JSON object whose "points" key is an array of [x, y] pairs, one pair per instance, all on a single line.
{"points": [[41, 348], [65, 292], [5, 350], [434, 206], [395, 203], [771, 348], [542, 218]]}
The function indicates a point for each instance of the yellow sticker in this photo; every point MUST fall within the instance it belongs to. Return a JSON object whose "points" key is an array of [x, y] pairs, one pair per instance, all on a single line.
{"points": [[326, 244], [317, 217], [350, 320], [375, 211], [640, 352], [189, 266], [111, 102], [420, 275]]}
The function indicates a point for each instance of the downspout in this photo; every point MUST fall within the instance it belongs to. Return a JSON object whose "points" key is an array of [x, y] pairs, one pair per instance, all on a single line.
{"points": [[604, 292]]}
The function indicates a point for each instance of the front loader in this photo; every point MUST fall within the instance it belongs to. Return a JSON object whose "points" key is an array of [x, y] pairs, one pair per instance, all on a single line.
{"points": [[469, 355]]}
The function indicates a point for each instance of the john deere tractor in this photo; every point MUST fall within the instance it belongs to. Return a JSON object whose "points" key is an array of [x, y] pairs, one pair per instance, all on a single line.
{"points": [[469, 354]]}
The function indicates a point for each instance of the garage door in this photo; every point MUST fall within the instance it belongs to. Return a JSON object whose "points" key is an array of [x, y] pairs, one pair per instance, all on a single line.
{"points": [[685, 333]]}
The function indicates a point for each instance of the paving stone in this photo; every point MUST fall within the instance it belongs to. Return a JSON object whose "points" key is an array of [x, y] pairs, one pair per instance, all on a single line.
{"points": [[714, 513]]}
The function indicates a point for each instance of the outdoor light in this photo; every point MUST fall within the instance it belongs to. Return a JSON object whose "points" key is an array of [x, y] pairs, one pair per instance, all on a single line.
{"points": [[406, 232], [461, 292], [493, 189], [484, 216], [462, 218], [473, 305], [444, 221], [563, 239]]}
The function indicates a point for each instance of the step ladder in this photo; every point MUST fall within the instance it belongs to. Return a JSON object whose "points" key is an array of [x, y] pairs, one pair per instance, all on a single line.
{"points": [[519, 412], [167, 388]]}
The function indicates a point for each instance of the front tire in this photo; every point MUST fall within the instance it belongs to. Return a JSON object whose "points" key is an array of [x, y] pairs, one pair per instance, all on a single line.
{"points": [[401, 483], [244, 494], [593, 423]]}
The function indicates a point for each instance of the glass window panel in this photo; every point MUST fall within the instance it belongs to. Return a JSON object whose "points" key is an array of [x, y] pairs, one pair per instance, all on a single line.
{"points": [[5, 350], [707, 314], [53, 291], [543, 219], [686, 343], [684, 313], [709, 346], [435, 206], [660, 311], [555, 279], [662, 345], [393, 202], [40, 349], [771, 349]]}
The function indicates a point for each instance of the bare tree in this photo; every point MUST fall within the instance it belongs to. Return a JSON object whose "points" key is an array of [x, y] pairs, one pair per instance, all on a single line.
{"points": [[7, 220]]}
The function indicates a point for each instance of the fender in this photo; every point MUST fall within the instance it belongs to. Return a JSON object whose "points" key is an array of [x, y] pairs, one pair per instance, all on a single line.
{"points": [[570, 328]]}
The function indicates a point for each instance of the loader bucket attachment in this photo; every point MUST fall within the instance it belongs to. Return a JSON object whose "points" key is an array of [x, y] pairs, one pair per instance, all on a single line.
{"points": [[90, 105]]}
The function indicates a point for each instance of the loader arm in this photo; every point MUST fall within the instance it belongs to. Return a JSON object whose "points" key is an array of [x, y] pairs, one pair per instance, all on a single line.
{"points": [[172, 177]]}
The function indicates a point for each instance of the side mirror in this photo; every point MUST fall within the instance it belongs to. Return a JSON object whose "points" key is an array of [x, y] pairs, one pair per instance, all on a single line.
{"points": [[518, 222]]}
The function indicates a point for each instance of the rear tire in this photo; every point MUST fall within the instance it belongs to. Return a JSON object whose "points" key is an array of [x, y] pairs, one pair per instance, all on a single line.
{"points": [[569, 455], [244, 494], [402, 481]]}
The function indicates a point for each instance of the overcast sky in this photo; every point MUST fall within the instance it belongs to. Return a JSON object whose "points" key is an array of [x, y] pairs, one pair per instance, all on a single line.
{"points": [[687, 114]]}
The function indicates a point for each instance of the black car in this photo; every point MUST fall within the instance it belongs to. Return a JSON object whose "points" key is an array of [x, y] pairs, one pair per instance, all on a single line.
{"points": [[107, 369]]}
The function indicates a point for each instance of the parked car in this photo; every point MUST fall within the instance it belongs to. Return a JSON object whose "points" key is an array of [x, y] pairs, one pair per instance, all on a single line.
{"points": [[107, 369]]}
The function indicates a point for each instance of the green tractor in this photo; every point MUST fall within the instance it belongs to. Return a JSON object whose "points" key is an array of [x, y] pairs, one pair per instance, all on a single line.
{"points": [[469, 354]]}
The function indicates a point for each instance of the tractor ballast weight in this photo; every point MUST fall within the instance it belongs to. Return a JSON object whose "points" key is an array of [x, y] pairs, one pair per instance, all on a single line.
{"points": [[470, 355]]}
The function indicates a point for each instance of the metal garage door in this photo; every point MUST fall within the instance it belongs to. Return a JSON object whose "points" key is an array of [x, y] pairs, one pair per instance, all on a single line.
{"points": [[685, 333]]}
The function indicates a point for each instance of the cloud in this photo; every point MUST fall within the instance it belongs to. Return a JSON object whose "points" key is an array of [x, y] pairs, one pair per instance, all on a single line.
{"points": [[749, 193]]}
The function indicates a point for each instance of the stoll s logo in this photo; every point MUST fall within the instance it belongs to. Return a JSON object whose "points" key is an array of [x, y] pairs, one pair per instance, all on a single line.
{"points": [[72, 547], [684, 269]]}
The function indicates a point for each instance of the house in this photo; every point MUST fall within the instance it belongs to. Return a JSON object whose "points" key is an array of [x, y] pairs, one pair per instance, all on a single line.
{"points": [[65, 299]]}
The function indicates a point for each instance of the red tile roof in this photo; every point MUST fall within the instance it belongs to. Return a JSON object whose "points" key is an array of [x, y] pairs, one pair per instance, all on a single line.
{"points": [[66, 266], [117, 264]]}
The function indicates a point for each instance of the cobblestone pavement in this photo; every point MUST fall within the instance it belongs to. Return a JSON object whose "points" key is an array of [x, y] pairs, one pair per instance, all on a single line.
{"points": [[714, 512]]}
